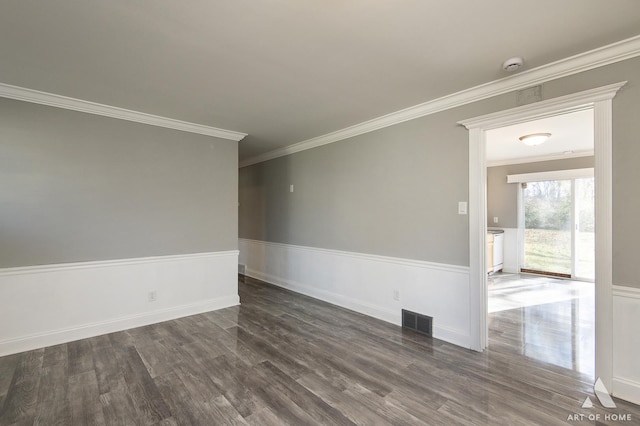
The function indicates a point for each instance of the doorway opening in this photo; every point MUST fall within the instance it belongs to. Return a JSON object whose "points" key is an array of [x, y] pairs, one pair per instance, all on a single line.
{"points": [[600, 101], [536, 304]]}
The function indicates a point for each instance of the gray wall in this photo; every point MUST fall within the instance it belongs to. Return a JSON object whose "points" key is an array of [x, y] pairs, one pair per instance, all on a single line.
{"points": [[502, 197], [366, 195], [79, 187], [394, 191]]}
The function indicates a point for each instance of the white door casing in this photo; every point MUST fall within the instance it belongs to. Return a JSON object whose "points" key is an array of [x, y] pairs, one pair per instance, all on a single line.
{"points": [[600, 101]]}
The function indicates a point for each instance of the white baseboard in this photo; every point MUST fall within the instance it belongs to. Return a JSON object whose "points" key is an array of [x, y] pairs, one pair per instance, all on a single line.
{"points": [[334, 298], [626, 389], [84, 331], [626, 343], [365, 283], [53, 304]]}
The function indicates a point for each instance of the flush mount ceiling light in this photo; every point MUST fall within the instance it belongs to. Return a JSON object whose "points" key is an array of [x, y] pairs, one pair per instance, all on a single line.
{"points": [[513, 64], [534, 138]]}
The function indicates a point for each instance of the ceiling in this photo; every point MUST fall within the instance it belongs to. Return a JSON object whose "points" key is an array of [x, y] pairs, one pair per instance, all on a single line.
{"points": [[285, 71], [571, 136]]}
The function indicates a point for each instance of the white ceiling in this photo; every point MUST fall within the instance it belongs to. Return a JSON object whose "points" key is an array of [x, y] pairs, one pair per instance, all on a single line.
{"points": [[284, 71], [571, 136]]}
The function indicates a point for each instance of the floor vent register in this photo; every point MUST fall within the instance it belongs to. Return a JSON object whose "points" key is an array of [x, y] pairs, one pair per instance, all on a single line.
{"points": [[421, 323]]}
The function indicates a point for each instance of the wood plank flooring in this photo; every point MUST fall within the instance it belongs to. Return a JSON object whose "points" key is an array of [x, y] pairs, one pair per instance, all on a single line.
{"points": [[545, 318], [282, 358]]}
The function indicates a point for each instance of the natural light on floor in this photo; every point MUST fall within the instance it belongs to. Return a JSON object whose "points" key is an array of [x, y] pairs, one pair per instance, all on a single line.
{"points": [[544, 318], [509, 291]]}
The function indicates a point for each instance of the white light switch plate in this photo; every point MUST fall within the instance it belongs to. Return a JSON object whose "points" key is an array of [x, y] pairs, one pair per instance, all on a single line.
{"points": [[462, 207]]}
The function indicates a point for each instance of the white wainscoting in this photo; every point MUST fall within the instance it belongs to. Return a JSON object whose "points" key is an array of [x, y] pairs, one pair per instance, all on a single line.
{"points": [[366, 283], [52, 304], [626, 343], [511, 250]]}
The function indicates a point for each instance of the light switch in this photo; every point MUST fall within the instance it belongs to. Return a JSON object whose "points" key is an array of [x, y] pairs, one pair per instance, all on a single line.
{"points": [[290, 188], [495, 219], [462, 207]]}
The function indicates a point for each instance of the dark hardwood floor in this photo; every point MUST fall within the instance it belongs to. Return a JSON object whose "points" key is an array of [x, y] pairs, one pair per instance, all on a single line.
{"points": [[282, 358]]}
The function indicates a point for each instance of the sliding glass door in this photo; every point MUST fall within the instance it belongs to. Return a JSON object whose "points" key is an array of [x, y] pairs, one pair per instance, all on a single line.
{"points": [[559, 228], [547, 227]]}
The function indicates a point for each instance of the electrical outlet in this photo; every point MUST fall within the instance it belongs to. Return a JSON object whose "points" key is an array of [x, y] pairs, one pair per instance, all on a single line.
{"points": [[396, 295], [495, 219], [153, 296]]}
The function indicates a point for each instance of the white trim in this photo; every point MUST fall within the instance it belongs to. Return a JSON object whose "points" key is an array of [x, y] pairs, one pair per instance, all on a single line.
{"points": [[55, 337], [520, 224], [551, 175], [600, 100], [367, 283], [451, 335], [366, 256], [41, 269], [59, 101], [626, 343], [616, 52], [603, 141], [511, 257], [574, 218], [327, 296], [628, 390], [623, 291], [567, 104], [66, 302], [540, 158], [478, 293]]}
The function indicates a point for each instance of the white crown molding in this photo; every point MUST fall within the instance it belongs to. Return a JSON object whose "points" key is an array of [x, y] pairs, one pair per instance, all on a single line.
{"points": [[616, 52], [59, 101], [539, 158]]}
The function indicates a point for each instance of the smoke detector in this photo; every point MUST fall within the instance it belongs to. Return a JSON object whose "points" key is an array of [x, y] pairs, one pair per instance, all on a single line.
{"points": [[513, 64]]}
